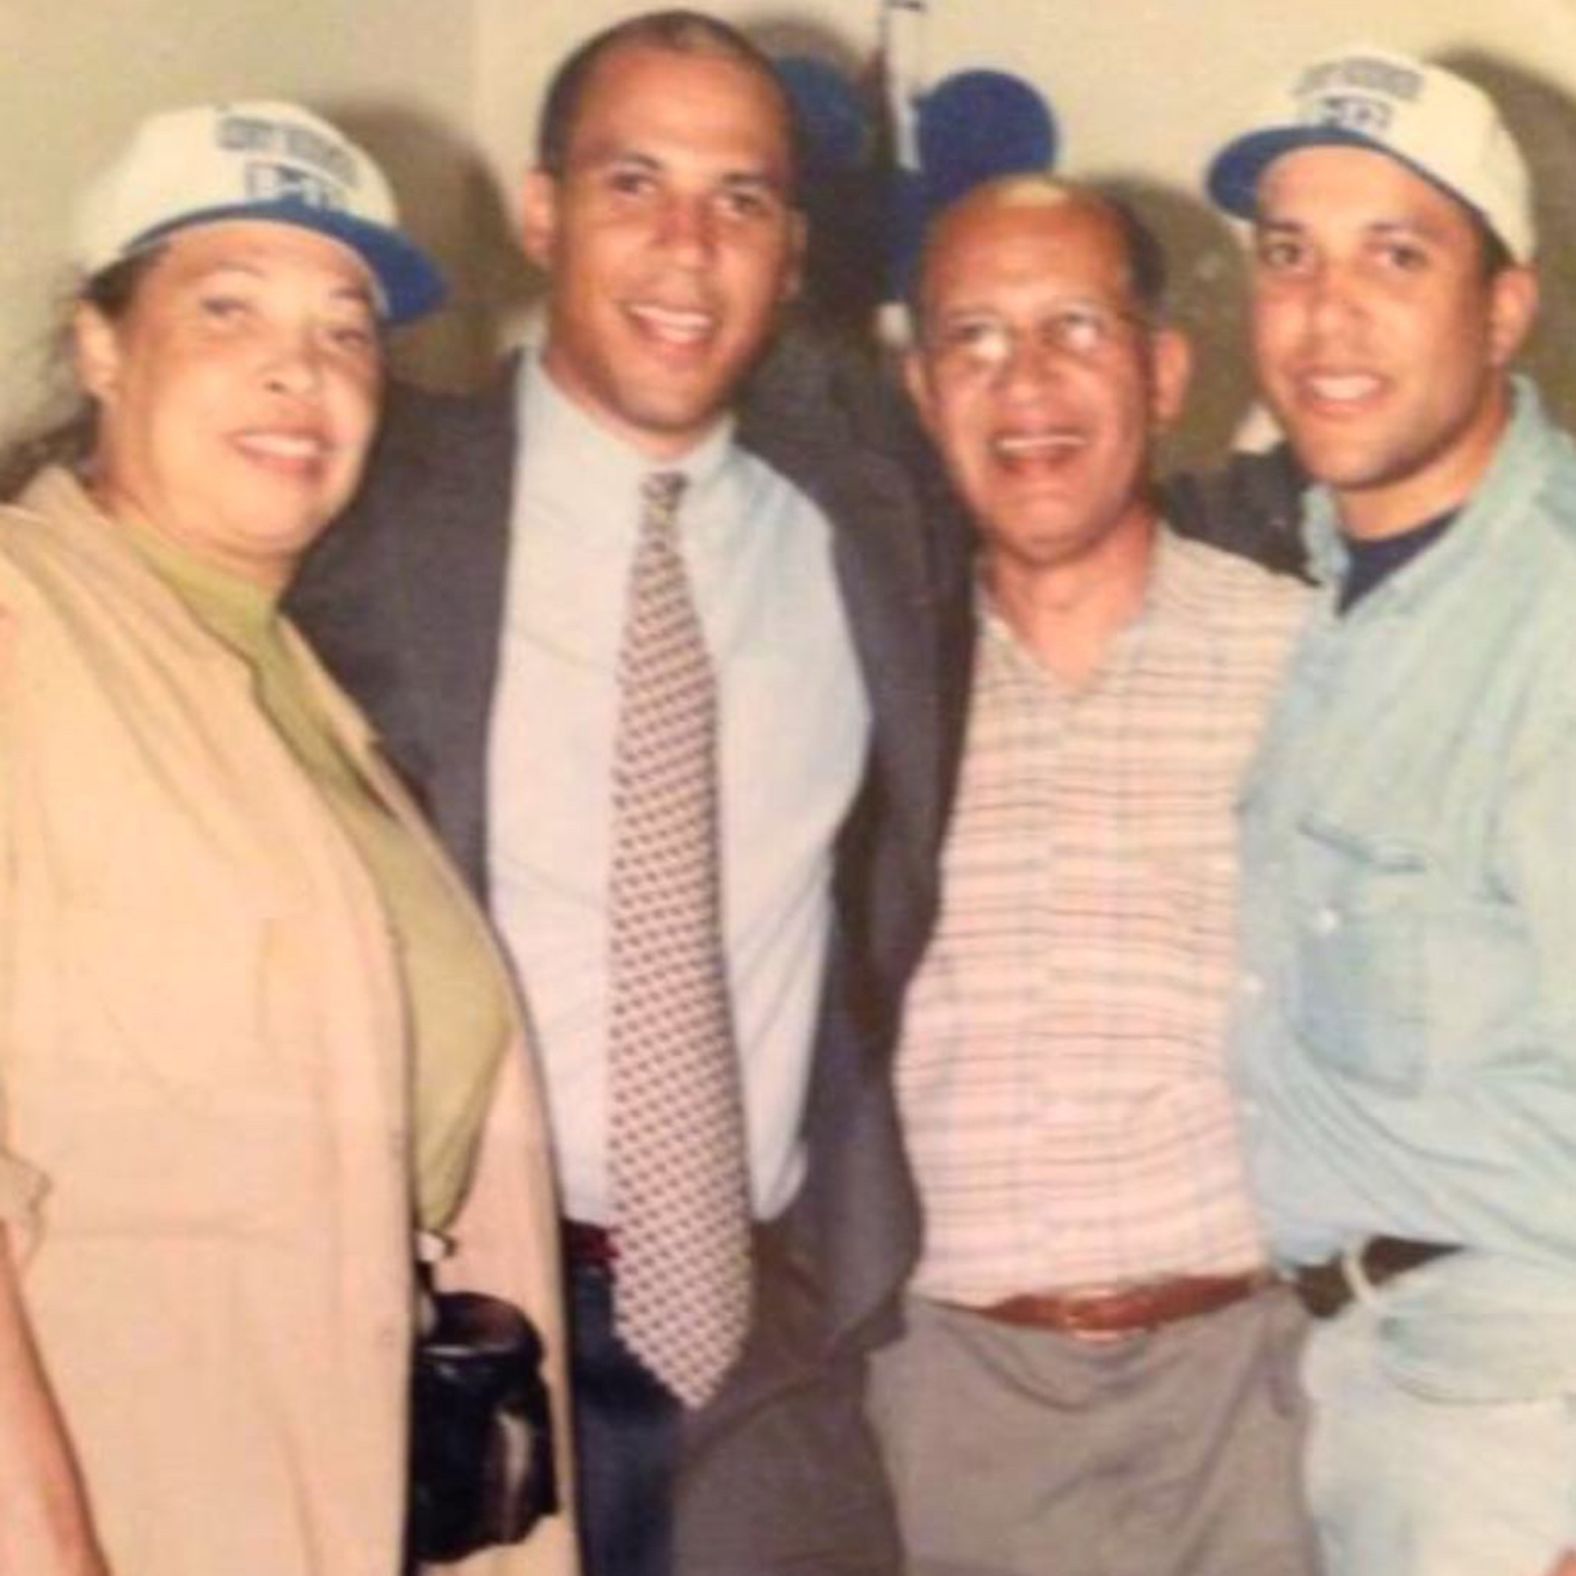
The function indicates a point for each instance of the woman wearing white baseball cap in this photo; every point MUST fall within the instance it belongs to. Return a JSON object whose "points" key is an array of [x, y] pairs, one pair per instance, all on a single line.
{"points": [[254, 1037]]}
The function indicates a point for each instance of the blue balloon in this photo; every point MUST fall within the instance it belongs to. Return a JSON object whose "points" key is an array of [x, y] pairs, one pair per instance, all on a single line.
{"points": [[976, 125]]}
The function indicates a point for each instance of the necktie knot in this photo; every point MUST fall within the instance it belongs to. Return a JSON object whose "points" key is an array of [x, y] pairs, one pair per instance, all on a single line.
{"points": [[660, 492]]}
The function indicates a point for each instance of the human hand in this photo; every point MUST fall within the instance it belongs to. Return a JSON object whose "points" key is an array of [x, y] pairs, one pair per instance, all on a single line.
{"points": [[1565, 1565]]}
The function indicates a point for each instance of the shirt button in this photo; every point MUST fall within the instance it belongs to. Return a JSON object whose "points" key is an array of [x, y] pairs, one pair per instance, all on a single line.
{"points": [[1251, 986], [1326, 922]]}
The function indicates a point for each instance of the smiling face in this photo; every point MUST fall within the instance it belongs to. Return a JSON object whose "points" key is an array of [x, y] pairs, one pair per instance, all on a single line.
{"points": [[237, 393], [669, 240], [1380, 336], [1039, 378]]}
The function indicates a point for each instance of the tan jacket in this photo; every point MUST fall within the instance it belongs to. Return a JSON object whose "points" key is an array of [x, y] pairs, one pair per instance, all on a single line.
{"points": [[202, 1062]]}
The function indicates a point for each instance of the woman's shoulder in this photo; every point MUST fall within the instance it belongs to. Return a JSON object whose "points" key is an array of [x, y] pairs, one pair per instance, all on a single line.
{"points": [[37, 529], [61, 565]]}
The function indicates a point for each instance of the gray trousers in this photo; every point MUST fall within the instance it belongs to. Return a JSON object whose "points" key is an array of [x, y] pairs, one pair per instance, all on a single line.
{"points": [[1176, 1452]]}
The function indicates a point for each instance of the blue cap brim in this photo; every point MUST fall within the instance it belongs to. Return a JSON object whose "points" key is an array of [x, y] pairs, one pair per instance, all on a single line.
{"points": [[1233, 179], [407, 279]]}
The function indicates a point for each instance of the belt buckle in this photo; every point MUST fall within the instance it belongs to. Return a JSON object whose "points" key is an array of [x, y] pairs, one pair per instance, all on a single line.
{"points": [[1081, 1323]]}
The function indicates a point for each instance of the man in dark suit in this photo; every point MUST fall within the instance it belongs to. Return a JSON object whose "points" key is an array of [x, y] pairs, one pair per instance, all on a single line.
{"points": [[476, 602]]}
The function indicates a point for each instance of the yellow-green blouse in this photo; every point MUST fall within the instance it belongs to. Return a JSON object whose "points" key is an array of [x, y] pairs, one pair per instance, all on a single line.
{"points": [[455, 995]]}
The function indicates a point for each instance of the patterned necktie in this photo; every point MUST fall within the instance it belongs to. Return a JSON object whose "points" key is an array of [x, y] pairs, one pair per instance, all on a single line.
{"points": [[680, 1202]]}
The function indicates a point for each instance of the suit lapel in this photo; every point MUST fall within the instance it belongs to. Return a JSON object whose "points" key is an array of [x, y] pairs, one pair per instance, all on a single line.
{"points": [[455, 569], [880, 553], [894, 625]]}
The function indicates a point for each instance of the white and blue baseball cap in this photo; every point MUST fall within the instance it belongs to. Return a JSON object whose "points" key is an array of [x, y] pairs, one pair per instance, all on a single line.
{"points": [[255, 160], [1436, 123]]}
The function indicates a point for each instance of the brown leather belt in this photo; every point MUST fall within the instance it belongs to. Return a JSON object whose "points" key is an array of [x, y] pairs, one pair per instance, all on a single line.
{"points": [[1325, 1289], [1129, 1310]]}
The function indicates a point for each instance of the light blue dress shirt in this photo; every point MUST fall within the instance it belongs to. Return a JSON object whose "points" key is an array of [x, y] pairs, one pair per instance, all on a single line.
{"points": [[793, 734], [1406, 1039]]}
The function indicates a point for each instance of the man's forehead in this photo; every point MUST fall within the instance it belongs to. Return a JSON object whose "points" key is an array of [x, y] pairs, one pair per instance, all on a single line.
{"points": [[644, 87], [1343, 185], [264, 247], [1015, 242]]}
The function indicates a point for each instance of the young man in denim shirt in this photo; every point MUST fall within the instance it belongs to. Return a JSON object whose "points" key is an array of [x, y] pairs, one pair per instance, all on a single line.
{"points": [[1407, 1034]]}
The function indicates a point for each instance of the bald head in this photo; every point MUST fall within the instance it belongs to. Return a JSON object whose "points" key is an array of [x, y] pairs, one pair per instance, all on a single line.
{"points": [[997, 205]]}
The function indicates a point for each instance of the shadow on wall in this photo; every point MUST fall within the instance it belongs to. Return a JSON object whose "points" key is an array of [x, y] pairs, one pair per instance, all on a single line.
{"points": [[451, 203], [1206, 296], [846, 262], [1543, 119]]}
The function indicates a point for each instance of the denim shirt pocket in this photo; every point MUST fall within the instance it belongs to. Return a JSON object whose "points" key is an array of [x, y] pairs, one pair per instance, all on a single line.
{"points": [[1358, 999]]}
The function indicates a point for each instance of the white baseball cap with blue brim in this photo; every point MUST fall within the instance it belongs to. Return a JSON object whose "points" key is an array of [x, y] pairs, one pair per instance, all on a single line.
{"points": [[1436, 123], [263, 160]]}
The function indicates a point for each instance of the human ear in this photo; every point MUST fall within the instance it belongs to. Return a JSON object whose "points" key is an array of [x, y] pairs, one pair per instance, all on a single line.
{"points": [[1513, 305], [539, 216], [1171, 372], [96, 351]]}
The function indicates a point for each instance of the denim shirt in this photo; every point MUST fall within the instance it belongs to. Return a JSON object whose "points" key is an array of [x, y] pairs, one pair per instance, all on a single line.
{"points": [[1405, 1042]]}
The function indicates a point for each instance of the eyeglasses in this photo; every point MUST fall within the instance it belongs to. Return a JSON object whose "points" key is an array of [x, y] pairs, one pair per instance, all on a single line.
{"points": [[1088, 332]]}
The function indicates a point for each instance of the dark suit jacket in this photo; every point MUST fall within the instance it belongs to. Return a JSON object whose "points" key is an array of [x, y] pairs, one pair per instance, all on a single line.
{"points": [[403, 600], [1251, 505]]}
